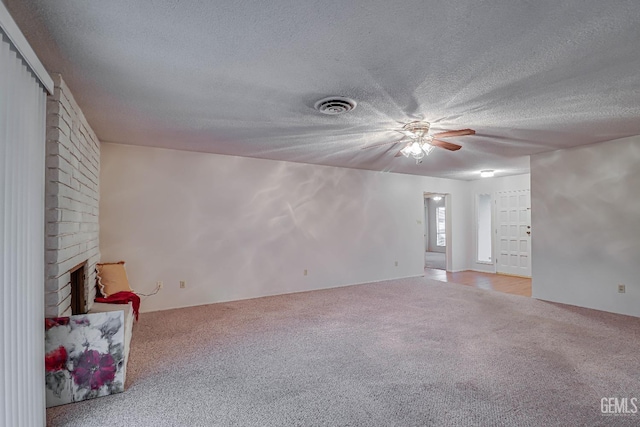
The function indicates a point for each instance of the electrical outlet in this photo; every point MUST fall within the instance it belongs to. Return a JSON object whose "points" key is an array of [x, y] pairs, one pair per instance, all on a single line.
{"points": [[396, 263], [159, 284], [305, 272], [183, 284], [622, 289]]}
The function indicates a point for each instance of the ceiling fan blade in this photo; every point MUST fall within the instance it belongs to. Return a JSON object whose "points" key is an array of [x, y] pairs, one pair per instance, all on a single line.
{"points": [[446, 145], [450, 133], [398, 154], [380, 144]]}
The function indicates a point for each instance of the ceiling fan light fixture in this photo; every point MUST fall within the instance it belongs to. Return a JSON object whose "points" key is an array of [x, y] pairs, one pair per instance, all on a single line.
{"points": [[487, 173], [418, 143], [417, 149], [407, 151], [418, 129]]}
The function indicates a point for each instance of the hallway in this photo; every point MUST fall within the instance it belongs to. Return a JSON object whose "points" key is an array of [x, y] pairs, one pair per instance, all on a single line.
{"points": [[435, 260], [495, 282]]}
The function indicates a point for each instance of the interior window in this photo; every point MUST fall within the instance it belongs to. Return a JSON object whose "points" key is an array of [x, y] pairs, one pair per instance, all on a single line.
{"points": [[484, 228], [441, 237]]}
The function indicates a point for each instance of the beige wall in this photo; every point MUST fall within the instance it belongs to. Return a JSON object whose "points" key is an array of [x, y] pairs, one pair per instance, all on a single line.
{"points": [[585, 206], [236, 227]]}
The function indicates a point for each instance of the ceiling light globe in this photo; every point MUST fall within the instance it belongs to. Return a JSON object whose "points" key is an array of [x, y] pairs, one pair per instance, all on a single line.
{"points": [[415, 148], [418, 155], [428, 148]]}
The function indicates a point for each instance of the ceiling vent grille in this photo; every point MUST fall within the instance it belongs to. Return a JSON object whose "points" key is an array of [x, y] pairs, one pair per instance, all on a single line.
{"points": [[335, 105]]}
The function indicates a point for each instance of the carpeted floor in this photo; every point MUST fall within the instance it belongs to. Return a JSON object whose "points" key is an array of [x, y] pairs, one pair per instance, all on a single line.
{"points": [[411, 352]]}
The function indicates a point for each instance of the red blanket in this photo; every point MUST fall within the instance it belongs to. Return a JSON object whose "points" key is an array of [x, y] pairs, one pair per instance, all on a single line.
{"points": [[123, 297]]}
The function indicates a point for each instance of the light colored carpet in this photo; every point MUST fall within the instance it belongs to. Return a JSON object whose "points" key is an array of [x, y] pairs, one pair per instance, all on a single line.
{"points": [[411, 352], [435, 260]]}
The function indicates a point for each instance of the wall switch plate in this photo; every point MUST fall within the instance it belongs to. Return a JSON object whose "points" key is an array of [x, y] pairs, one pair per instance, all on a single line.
{"points": [[305, 272], [396, 263], [183, 284], [159, 284], [622, 289]]}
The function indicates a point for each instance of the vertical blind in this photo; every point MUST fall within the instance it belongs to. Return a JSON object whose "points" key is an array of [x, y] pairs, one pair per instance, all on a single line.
{"points": [[22, 167]]}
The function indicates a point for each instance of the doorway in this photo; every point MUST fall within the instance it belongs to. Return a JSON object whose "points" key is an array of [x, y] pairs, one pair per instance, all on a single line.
{"points": [[436, 231], [513, 232]]}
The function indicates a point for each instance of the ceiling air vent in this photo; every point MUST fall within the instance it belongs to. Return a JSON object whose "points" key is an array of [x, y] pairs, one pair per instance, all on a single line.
{"points": [[335, 105]]}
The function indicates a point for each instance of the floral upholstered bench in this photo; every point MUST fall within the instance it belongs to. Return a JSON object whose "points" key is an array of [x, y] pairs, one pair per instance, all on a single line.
{"points": [[87, 354], [128, 317]]}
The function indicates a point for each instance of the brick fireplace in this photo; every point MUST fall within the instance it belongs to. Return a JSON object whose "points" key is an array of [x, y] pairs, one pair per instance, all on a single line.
{"points": [[72, 196]]}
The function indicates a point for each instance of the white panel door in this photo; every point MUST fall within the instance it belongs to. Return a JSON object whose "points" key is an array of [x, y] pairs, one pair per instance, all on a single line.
{"points": [[513, 232]]}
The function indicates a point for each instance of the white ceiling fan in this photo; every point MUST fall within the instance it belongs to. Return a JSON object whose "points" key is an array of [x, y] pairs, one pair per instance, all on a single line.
{"points": [[419, 143]]}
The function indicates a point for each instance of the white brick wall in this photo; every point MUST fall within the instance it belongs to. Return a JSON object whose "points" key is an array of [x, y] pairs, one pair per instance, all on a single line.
{"points": [[72, 194]]}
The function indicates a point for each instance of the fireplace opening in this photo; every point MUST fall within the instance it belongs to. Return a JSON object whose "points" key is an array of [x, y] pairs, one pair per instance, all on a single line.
{"points": [[78, 289]]}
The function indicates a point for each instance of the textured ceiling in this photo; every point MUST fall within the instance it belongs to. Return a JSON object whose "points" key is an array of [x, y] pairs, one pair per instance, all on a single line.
{"points": [[241, 77]]}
